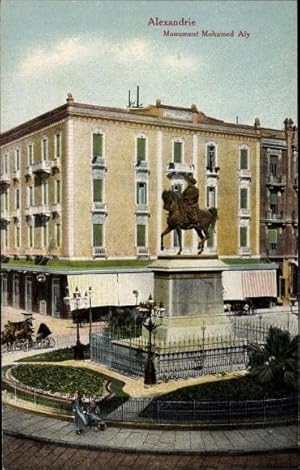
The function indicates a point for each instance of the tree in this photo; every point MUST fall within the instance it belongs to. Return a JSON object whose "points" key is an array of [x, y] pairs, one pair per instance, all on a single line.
{"points": [[275, 362]]}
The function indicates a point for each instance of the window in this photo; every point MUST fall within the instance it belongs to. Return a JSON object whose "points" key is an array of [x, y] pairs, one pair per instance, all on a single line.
{"points": [[244, 198], [272, 238], [141, 193], [141, 235], [274, 202], [211, 239], [58, 235], [244, 159], [141, 148], [16, 291], [97, 190], [97, 145], [17, 199], [45, 235], [45, 193], [177, 152], [5, 164], [30, 154], [175, 239], [57, 192], [6, 200], [57, 145], [30, 196], [17, 236], [17, 159], [273, 164], [211, 157], [97, 235], [211, 196], [243, 237], [30, 236], [44, 148]]}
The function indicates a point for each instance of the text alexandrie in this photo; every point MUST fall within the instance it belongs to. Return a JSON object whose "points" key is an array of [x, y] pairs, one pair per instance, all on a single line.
{"points": [[180, 22]]}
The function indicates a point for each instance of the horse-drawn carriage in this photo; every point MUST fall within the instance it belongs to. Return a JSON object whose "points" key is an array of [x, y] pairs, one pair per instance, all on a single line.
{"points": [[19, 335]]}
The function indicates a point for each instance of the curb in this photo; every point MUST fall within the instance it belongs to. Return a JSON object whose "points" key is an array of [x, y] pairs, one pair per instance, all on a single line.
{"points": [[132, 450]]}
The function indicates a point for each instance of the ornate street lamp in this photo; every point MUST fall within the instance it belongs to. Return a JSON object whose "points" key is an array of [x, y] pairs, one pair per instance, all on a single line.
{"points": [[153, 313], [75, 302]]}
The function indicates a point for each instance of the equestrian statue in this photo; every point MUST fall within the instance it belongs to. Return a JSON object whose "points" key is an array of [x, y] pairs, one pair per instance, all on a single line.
{"points": [[185, 214]]}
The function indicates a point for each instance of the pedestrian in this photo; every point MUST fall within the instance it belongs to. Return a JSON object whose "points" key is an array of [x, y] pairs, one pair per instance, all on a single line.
{"points": [[80, 417]]}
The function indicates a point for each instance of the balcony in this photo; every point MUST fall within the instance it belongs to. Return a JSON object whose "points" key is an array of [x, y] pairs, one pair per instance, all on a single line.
{"points": [[5, 216], [244, 251], [142, 209], [16, 175], [99, 252], [212, 171], [56, 209], [175, 169], [276, 181], [245, 174], [28, 171], [16, 214], [244, 213], [99, 207], [5, 180], [42, 167], [142, 166], [99, 162], [274, 218], [55, 164], [142, 251], [42, 211]]}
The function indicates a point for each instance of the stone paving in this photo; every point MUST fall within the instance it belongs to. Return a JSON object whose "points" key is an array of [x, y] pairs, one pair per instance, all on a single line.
{"points": [[44, 456], [47, 429]]}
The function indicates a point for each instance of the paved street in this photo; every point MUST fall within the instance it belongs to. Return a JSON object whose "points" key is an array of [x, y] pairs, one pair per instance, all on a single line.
{"points": [[27, 454]]}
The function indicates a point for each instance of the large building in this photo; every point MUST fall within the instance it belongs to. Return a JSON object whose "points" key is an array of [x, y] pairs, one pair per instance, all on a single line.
{"points": [[83, 182]]}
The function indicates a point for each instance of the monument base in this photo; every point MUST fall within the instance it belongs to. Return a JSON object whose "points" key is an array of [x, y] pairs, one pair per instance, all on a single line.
{"points": [[191, 290]]}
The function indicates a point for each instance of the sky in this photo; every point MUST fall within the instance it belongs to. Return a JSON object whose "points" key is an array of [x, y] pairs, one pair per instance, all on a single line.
{"points": [[100, 49]]}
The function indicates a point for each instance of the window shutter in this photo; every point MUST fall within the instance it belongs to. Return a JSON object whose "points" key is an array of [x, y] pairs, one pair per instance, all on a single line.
{"points": [[272, 235], [97, 190], [243, 236], [141, 148], [177, 152], [97, 145], [141, 235], [243, 196], [98, 234], [244, 159]]}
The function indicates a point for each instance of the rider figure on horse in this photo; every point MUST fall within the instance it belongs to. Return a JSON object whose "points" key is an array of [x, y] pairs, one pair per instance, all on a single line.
{"points": [[190, 198]]}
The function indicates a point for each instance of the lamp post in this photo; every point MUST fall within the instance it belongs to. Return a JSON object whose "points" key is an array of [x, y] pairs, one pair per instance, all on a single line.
{"points": [[292, 302], [75, 301], [153, 312], [88, 295]]}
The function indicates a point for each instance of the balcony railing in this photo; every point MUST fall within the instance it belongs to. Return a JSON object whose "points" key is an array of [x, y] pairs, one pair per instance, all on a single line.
{"points": [[183, 169], [5, 179], [41, 210], [245, 174], [142, 166], [43, 166], [142, 251], [98, 162], [272, 217], [99, 252], [142, 209], [274, 180], [244, 212], [16, 174], [212, 171], [97, 206], [244, 250]]}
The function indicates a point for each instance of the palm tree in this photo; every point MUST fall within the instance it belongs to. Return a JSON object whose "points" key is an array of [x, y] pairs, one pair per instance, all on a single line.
{"points": [[275, 362]]}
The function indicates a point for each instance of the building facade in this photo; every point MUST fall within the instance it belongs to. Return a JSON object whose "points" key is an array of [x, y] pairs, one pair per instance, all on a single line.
{"points": [[84, 182]]}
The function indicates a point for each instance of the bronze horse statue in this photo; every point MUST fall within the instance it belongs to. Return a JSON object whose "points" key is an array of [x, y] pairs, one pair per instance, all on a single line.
{"points": [[178, 220]]}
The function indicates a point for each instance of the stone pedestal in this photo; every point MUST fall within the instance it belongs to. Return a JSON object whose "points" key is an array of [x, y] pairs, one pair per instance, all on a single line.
{"points": [[191, 290]]}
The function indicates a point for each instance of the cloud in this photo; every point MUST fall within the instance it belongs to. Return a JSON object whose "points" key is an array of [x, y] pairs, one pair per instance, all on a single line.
{"points": [[81, 50]]}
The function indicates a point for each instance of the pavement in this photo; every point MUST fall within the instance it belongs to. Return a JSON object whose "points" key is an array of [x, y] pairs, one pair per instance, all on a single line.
{"points": [[23, 423], [20, 423]]}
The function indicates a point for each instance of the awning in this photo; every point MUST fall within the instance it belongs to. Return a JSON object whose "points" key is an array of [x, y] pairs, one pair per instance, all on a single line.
{"points": [[113, 289], [259, 284], [240, 285]]}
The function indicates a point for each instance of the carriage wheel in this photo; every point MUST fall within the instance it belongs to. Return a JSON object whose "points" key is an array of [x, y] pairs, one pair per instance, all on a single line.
{"points": [[18, 345], [25, 346], [51, 342]]}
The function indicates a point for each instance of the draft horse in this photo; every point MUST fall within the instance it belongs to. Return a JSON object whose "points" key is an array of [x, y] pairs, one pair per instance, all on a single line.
{"points": [[178, 220]]}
